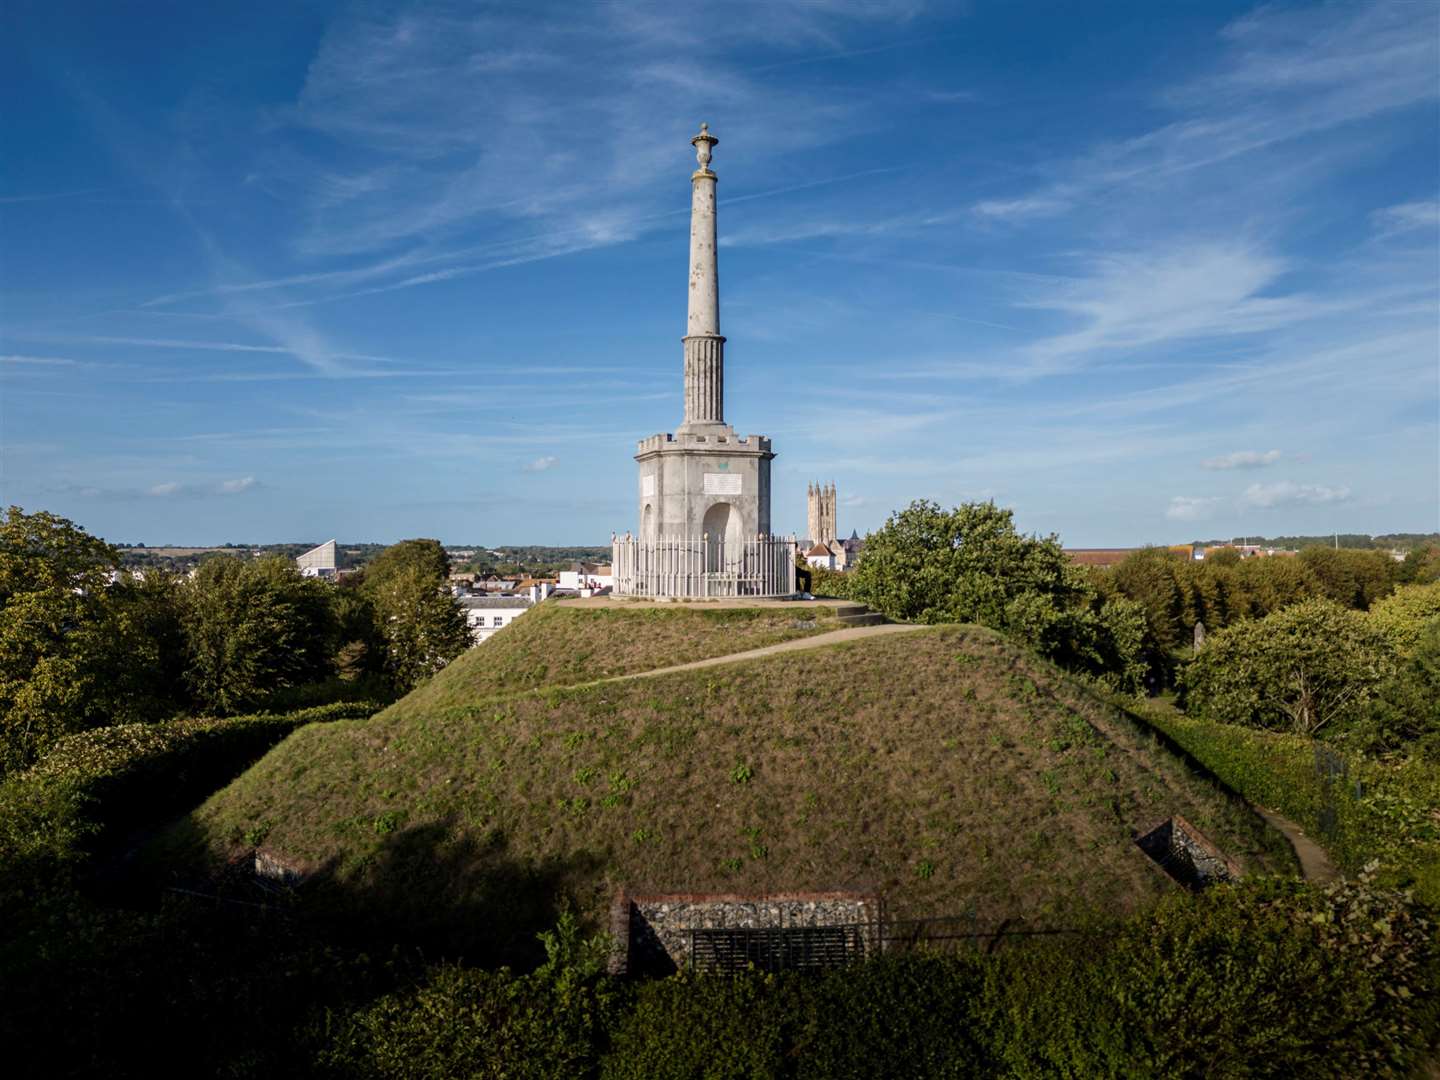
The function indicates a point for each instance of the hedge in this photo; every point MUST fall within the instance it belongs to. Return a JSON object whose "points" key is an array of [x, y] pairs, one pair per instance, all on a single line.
{"points": [[1361, 809], [99, 785], [1262, 979]]}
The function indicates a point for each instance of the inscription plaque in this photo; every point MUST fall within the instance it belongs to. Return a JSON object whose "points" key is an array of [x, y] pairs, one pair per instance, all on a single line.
{"points": [[722, 483]]}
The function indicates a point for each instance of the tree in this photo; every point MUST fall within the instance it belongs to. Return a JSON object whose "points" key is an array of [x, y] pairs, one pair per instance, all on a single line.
{"points": [[254, 628], [1421, 565], [422, 627], [1405, 613], [75, 651], [1151, 578], [1309, 668], [1350, 577], [970, 565], [1405, 714], [1267, 584]]}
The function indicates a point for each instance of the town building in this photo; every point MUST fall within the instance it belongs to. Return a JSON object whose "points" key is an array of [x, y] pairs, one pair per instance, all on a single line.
{"points": [[318, 561], [485, 615]]}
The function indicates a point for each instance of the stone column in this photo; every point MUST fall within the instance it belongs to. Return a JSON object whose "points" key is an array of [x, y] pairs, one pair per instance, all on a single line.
{"points": [[704, 347]]}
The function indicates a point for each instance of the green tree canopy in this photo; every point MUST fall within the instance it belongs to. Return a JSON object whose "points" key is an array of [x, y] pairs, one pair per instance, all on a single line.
{"points": [[75, 651], [252, 628], [1310, 668], [1405, 715], [1405, 613], [1350, 577], [970, 564], [422, 627]]}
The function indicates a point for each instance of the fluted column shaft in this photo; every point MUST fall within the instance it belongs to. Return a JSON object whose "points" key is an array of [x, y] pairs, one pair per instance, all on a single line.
{"points": [[704, 347]]}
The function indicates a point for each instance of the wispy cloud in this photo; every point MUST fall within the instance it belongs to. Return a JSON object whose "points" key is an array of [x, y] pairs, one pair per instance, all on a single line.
{"points": [[1286, 74], [174, 489], [541, 464], [1192, 507], [1242, 459], [1407, 218]]}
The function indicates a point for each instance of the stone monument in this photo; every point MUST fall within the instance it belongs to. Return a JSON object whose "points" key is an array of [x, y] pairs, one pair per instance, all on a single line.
{"points": [[704, 480], [704, 490]]}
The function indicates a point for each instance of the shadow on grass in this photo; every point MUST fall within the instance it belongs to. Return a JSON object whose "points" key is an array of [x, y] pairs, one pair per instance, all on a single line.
{"points": [[435, 888]]}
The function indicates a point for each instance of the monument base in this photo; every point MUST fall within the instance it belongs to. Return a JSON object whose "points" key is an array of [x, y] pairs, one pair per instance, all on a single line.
{"points": [[696, 568]]}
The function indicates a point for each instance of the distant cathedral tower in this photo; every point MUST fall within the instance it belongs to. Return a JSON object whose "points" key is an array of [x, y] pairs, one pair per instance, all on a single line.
{"points": [[820, 500]]}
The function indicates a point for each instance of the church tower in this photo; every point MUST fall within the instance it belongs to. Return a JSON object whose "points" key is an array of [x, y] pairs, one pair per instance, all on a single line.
{"points": [[704, 479], [820, 513]]}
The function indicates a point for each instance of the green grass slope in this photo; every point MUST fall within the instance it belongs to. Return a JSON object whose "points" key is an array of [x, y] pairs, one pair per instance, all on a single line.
{"points": [[560, 644], [944, 766]]}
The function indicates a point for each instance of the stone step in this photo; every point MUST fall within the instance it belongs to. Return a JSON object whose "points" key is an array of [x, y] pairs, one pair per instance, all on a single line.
{"points": [[869, 618], [851, 609]]}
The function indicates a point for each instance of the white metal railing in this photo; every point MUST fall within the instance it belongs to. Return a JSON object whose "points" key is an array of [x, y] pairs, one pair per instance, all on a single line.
{"points": [[696, 567]]}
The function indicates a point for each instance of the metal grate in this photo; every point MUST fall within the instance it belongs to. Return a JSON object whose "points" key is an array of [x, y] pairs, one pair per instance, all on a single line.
{"points": [[776, 948]]}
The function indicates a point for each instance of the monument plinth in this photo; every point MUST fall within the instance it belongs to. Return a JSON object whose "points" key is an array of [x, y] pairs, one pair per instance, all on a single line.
{"points": [[704, 494]]}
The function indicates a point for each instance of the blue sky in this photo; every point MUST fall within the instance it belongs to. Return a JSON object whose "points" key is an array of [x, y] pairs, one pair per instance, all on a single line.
{"points": [[1143, 272]]}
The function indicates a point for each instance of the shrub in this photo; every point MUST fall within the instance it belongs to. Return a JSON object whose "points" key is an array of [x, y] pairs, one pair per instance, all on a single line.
{"points": [[474, 1023], [1306, 668], [701, 1026], [1267, 978]]}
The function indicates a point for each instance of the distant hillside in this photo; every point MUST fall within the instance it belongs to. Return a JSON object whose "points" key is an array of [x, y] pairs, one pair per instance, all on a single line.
{"points": [[1383, 541], [944, 766]]}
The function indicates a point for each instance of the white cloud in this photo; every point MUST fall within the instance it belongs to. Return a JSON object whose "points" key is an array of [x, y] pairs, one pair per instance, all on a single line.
{"points": [[1407, 217], [161, 491], [234, 487], [1033, 206], [1242, 459], [1288, 493], [1192, 508], [540, 464]]}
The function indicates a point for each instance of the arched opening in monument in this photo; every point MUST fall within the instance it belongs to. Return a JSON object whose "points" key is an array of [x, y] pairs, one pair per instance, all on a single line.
{"points": [[647, 523], [722, 527]]}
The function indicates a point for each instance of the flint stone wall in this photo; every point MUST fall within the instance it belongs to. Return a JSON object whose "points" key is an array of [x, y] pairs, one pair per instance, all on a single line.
{"points": [[651, 932], [1186, 854]]}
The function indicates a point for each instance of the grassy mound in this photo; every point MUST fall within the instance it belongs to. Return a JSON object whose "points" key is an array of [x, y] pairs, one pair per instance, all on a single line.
{"points": [[560, 644], [944, 766]]}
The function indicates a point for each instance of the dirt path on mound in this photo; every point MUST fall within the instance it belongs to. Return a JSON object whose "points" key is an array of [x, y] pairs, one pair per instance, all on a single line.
{"points": [[1315, 864], [833, 637]]}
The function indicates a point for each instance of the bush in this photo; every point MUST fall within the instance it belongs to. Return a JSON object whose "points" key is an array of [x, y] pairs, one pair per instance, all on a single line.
{"points": [[474, 1023], [1308, 668], [1259, 979]]}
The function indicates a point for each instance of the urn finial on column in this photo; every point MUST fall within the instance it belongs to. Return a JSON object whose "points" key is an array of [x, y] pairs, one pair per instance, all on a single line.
{"points": [[703, 143]]}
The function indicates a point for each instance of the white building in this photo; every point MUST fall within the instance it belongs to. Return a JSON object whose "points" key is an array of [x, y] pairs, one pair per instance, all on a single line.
{"points": [[318, 561], [585, 575], [486, 614]]}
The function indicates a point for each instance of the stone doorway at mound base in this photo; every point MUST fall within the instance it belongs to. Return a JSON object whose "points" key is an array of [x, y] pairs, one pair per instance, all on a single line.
{"points": [[704, 490]]}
